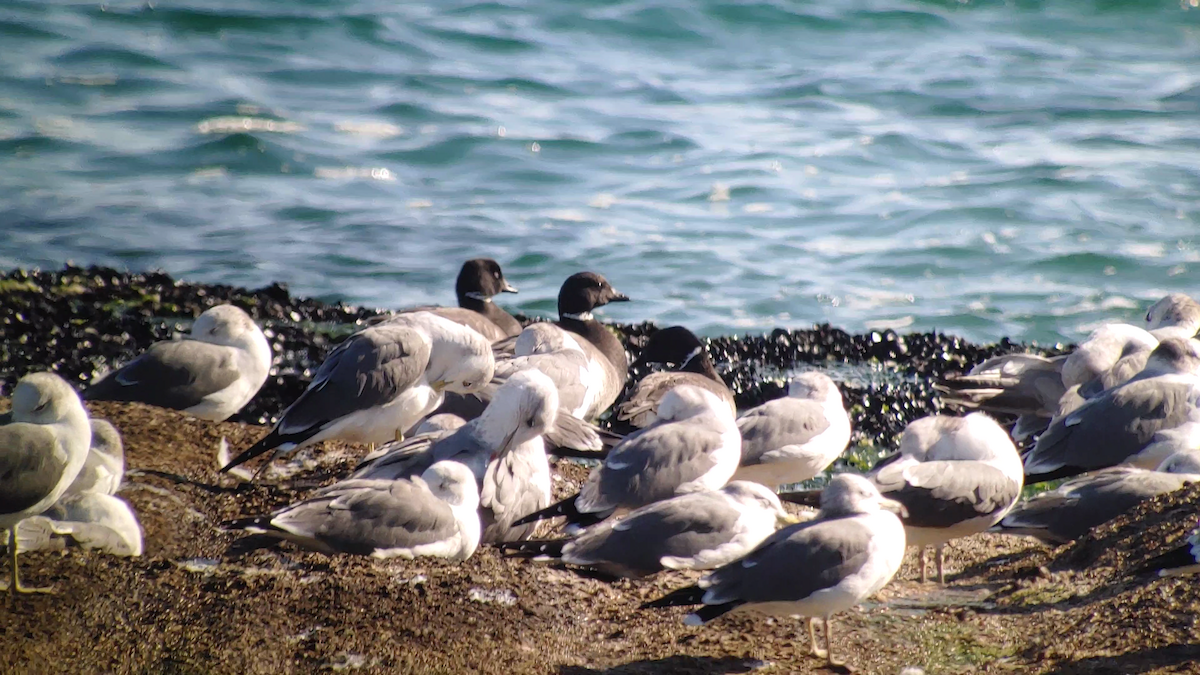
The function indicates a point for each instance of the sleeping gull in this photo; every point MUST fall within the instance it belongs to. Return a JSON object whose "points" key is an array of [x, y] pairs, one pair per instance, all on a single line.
{"points": [[92, 520], [956, 476], [794, 438], [697, 530], [815, 569], [674, 345], [1084, 502], [502, 447], [1039, 388], [1117, 425], [694, 445], [41, 452], [210, 374], [435, 514], [104, 468], [379, 382], [478, 281]]}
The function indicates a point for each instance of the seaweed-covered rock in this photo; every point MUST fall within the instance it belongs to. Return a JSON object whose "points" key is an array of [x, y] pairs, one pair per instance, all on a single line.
{"points": [[82, 322]]}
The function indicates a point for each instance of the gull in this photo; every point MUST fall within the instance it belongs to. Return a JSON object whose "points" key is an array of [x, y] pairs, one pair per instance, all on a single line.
{"points": [[1120, 423], [674, 345], [478, 282], [41, 452], [1038, 388], [379, 382], [104, 468], [696, 530], [434, 514], [795, 438], [92, 520], [815, 569], [1085, 502], [955, 476], [210, 374], [503, 447], [694, 445]]}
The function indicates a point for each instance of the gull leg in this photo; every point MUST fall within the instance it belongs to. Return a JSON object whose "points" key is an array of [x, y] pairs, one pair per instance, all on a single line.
{"points": [[924, 571], [14, 584], [941, 563], [829, 641], [399, 435], [371, 447], [812, 636]]}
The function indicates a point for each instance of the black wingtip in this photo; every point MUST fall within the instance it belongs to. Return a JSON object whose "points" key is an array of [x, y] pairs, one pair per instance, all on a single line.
{"points": [[564, 508], [688, 595], [265, 444], [802, 497], [1063, 472], [563, 452], [1178, 557], [533, 548]]}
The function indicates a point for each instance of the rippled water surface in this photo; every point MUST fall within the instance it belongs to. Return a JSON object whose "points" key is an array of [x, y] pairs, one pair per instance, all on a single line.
{"points": [[987, 168]]}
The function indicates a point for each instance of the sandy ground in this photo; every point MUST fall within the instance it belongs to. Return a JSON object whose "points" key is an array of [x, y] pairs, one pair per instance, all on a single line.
{"points": [[1011, 605]]}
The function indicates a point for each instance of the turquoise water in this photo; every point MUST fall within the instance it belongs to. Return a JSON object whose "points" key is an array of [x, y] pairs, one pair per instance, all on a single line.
{"points": [[987, 168]]}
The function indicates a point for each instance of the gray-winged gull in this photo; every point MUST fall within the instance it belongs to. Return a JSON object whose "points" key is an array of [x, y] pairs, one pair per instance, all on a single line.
{"points": [[381, 381], [794, 438], [678, 346], [104, 468], [211, 373], [479, 280], [435, 514], [92, 520], [41, 452], [1176, 315], [956, 476], [697, 530], [694, 445], [815, 569], [1115, 426], [502, 447], [1084, 502]]}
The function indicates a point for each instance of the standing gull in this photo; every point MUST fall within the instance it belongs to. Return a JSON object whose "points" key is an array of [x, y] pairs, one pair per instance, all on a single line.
{"points": [[1085, 502], [478, 282], [431, 515], [815, 569], [694, 445], [41, 452], [380, 382], [673, 345], [955, 476], [502, 447], [793, 439], [697, 530], [210, 374], [1117, 425]]}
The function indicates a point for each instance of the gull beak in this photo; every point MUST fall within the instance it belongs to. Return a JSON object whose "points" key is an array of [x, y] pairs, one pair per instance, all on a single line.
{"points": [[783, 519], [439, 385], [893, 506], [508, 288]]}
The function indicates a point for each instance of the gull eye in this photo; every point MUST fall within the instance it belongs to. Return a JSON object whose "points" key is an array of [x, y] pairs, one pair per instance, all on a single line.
{"points": [[466, 385], [41, 406]]}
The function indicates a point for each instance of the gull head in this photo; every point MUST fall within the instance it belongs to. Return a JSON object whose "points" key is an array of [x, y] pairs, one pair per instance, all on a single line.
{"points": [[524, 407], [849, 494], [453, 483], [463, 364], [46, 398], [814, 386], [1176, 310], [223, 325], [752, 495], [1181, 462]]}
